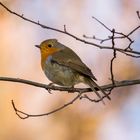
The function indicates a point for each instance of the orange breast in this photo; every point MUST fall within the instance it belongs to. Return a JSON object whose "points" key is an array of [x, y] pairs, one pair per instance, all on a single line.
{"points": [[45, 54]]}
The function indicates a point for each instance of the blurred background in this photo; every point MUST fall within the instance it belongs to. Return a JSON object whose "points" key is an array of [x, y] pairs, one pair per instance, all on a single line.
{"points": [[119, 119]]}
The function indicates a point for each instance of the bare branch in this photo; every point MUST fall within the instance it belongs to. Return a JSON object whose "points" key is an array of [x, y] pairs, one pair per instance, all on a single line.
{"points": [[24, 115], [114, 56], [112, 60], [109, 87], [71, 90], [81, 91], [75, 37], [95, 38], [65, 30], [102, 23], [138, 14], [85, 96]]}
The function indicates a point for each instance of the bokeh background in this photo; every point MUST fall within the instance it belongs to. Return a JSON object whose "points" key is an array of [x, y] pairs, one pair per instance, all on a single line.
{"points": [[119, 119]]}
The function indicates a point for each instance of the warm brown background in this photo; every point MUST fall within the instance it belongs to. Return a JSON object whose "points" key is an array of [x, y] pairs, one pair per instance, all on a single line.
{"points": [[118, 120]]}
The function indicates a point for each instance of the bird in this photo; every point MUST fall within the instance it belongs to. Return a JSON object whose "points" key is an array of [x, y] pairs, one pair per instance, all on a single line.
{"points": [[62, 66]]}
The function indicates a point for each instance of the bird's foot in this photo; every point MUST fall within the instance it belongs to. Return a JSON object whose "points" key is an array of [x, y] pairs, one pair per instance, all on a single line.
{"points": [[72, 88], [50, 85]]}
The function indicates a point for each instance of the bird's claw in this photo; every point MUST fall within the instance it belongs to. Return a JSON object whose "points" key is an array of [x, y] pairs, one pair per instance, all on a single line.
{"points": [[50, 85]]}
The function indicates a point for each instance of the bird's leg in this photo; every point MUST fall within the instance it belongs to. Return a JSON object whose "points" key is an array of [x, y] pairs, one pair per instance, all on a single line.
{"points": [[50, 85], [72, 88]]}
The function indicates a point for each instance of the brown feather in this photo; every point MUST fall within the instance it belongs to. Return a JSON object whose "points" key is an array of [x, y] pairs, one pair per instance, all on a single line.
{"points": [[69, 58]]}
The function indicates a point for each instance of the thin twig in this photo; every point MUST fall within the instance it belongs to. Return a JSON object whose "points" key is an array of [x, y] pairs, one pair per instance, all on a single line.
{"points": [[102, 24], [114, 56], [109, 87], [24, 115], [115, 35], [65, 30], [138, 14], [72, 35], [112, 60], [85, 96]]}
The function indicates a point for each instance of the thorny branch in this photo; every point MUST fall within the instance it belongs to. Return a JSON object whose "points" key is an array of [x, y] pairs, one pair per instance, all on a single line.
{"points": [[82, 93]]}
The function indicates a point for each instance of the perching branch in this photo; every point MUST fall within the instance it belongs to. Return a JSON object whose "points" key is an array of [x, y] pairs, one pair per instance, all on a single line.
{"points": [[71, 90], [80, 91]]}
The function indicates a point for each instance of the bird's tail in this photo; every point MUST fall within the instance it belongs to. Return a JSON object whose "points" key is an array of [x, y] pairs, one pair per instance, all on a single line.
{"points": [[94, 85]]}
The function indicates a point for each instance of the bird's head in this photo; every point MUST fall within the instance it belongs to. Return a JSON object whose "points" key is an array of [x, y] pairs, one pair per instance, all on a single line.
{"points": [[49, 46]]}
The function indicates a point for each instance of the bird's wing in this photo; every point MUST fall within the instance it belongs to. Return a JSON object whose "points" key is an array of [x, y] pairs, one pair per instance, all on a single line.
{"points": [[69, 58]]}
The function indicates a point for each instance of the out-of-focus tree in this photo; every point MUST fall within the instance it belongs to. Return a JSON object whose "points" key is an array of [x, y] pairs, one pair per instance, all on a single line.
{"points": [[83, 120]]}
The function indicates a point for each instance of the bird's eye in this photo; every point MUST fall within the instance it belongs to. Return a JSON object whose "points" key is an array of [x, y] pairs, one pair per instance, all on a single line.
{"points": [[49, 45]]}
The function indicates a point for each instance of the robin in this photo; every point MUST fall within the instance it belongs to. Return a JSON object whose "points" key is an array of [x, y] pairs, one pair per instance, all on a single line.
{"points": [[64, 67]]}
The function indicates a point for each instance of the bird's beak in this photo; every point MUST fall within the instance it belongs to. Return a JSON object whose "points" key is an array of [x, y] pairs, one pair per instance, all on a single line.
{"points": [[37, 46]]}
